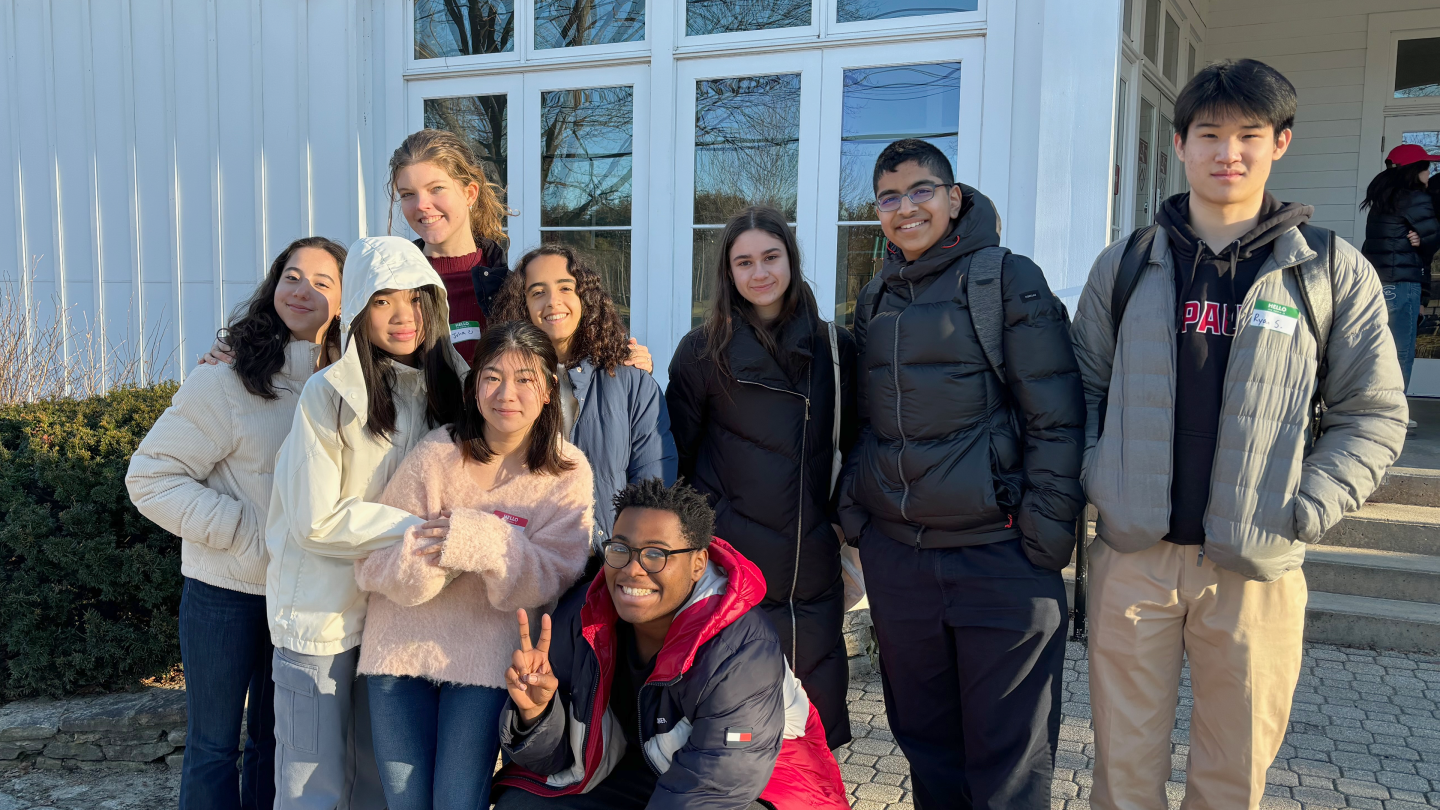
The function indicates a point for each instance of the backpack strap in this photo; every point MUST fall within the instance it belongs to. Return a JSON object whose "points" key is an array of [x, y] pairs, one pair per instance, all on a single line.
{"points": [[1132, 263], [1317, 290], [983, 289]]}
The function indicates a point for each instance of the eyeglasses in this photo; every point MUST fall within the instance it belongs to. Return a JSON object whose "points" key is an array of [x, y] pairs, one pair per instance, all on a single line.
{"points": [[917, 195], [653, 560]]}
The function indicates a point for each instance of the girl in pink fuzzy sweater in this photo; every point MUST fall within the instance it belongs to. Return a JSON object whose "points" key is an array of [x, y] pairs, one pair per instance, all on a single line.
{"points": [[438, 636]]}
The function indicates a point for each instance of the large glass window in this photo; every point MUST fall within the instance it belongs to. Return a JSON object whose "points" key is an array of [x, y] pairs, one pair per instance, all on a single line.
{"points": [[1151, 45], [1172, 47], [574, 23], [747, 152], [463, 27], [1191, 73], [1417, 68], [481, 121], [1116, 214], [727, 16], [1144, 156], [857, 10], [586, 161], [882, 105], [1126, 22]]}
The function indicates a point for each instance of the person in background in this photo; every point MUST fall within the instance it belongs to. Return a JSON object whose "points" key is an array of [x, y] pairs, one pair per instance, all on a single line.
{"points": [[662, 687], [963, 490], [613, 412], [397, 378], [440, 626], [203, 473], [1402, 234], [1203, 455], [753, 396], [460, 219]]}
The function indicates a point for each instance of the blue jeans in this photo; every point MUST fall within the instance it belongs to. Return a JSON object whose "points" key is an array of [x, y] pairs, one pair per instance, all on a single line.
{"points": [[225, 647], [435, 743], [1402, 301]]}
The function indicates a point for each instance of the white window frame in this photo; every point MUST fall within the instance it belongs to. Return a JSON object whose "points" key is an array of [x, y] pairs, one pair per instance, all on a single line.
{"points": [[448, 63], [969, 51], [524, 53], [1385, 32], [801, 33], [900, 25], [544, 56]]}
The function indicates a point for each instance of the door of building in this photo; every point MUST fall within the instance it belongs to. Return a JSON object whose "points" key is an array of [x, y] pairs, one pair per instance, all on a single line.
{"points": [[1421, 129], [1157, 171]]}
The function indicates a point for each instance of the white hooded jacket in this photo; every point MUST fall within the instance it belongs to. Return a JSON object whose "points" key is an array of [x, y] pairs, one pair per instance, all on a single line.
{"points": [[330, 471]]}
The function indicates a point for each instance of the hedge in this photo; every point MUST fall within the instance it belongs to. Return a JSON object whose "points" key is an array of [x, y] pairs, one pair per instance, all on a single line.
{"points": [[91, 590]]}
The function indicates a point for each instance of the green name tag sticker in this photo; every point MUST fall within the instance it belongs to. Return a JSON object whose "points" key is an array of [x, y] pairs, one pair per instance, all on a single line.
{"points": [[1275, 317], [464, 330]]}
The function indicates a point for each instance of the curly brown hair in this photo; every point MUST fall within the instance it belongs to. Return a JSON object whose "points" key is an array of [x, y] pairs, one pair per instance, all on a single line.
{"points": [[601, 335]]}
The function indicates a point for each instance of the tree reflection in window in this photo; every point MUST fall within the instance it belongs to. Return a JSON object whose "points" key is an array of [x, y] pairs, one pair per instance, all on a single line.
{"points": [[857, 10], [727, 16], [586, 172], [463, 27], [747, 152], [574, 23]]}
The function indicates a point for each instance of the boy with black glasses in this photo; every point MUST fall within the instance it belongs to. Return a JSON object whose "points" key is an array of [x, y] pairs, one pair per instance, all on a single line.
{"points": [[662, 686]]}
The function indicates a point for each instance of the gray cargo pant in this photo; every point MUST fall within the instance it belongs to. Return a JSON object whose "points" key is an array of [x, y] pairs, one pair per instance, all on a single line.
{"points": [[323, 756]]}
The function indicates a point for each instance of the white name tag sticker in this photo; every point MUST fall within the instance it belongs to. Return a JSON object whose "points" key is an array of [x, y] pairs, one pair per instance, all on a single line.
{"points": [[464, 330], [1275, 317]]}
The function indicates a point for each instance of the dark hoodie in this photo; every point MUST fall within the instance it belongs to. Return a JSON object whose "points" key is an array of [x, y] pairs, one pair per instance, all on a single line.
{"points": [[1210, 290]]}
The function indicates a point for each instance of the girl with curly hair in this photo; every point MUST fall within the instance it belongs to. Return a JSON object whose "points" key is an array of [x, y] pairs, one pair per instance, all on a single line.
{"points": [[613, 412]]}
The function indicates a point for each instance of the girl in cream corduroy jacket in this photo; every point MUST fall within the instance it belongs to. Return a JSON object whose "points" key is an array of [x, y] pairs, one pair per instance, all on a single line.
{"points": [[455, 622]]}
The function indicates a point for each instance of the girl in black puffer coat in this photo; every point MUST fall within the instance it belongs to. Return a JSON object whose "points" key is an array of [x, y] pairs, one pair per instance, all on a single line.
{"points": [[752, 409]]}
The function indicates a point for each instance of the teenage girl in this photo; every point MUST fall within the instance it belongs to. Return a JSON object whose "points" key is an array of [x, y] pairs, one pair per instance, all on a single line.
{"points": [[203, 473], [397, 379]]}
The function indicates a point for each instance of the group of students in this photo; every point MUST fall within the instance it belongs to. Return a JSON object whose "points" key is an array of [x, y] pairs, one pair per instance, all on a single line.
{"points": [[377, 505]]}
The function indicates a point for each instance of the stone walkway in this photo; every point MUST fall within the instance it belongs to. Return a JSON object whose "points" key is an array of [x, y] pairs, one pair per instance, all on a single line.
{"points": [[1364, 733]]}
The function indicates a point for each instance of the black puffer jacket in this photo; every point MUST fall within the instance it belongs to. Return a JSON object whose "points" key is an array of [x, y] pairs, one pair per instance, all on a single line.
{"points": [[948, 454], [1386, 246], [748, 444]]}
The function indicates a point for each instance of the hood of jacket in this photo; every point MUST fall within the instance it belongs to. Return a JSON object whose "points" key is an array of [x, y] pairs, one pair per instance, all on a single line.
{"points": [[730, 586], [377, 263], [978, 226], [1275, 218]]}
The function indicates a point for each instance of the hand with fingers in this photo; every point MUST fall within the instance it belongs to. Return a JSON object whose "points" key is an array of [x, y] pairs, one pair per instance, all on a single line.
{"points": [[529, 680], [430, 537]]}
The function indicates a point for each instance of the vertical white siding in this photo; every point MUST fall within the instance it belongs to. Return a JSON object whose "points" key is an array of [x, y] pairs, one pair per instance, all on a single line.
{"points": [[1320, 46], [158, 152]]}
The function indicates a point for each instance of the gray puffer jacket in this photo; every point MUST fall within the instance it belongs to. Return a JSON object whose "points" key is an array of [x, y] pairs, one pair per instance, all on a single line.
{"points": [[1268, 496], [950, 454]]}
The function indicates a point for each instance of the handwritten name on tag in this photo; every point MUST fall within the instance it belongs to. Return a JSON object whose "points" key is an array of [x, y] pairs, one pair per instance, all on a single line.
{"points": [[1275, 317]]}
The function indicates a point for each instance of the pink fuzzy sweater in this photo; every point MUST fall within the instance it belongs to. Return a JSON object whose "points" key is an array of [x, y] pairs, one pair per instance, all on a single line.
{"points": [[519, 545]]}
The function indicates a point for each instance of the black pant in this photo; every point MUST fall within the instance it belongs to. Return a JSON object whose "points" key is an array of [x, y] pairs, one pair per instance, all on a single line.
{"points": [[972, 643]]}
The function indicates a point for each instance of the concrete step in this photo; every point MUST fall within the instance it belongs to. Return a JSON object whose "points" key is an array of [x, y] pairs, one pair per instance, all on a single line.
{"points": [[1410, 486], [1378, 574], [1382, 624], [1389, 527]]}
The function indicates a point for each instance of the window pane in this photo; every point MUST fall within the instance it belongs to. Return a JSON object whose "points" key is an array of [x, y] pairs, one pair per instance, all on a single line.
{"points": [[861, 254], [1172, 46], [1143, 157], [609, 253], [585, 156], [573, 23], [1125, 22], [728, 16], [1191, 74], [747, 146], [1116, 215], [463, 27], [1417, 68], [1152, 30], [1165, 151], [856, 10], [481, 122]]}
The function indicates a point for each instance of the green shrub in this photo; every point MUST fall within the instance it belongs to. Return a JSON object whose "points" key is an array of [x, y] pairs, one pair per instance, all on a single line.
{"points": [[91, 590]]}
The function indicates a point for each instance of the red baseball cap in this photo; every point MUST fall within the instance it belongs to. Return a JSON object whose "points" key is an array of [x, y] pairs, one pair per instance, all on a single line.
{"points": [[1407, 153]]}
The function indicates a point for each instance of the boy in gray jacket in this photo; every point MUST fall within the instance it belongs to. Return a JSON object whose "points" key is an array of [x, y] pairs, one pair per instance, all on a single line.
{"points": [[1204, 363]]}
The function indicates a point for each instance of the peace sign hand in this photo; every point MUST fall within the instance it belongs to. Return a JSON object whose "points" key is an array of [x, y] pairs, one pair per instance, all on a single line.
{"points": [[529, 680]]}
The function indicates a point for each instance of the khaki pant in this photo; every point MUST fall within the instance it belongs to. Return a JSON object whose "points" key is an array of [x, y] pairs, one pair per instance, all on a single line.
{"points": [[1243, 638]]}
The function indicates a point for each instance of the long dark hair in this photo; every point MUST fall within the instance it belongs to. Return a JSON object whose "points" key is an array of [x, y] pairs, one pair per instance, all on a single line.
{"points": [[542, 455], [1383, 194], [258, 335], [601, 335], [442, 384], [797, 301]]}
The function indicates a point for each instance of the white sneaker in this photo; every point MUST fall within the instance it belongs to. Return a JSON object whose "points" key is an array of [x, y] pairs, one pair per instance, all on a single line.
{"points": [[1412, 425]]}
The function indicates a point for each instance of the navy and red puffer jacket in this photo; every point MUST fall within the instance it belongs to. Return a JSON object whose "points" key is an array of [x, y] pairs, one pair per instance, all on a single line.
{"points": [[720, 674]]}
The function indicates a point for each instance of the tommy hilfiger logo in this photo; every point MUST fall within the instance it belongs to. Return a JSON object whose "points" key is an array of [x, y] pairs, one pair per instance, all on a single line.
{"points": [[1205, 316], [736, 737]]}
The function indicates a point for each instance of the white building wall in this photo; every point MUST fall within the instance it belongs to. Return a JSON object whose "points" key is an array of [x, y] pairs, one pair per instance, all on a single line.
{"points": [[159, 152]]}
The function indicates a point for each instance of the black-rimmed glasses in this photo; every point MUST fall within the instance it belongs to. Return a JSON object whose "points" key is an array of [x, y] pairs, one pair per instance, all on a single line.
{"points": [[917, 195], [652, 559]]}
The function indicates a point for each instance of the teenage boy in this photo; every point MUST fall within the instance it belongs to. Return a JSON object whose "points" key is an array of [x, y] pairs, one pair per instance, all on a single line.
{"points": [[1201, 453], [663, 686], [963, 489]]}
